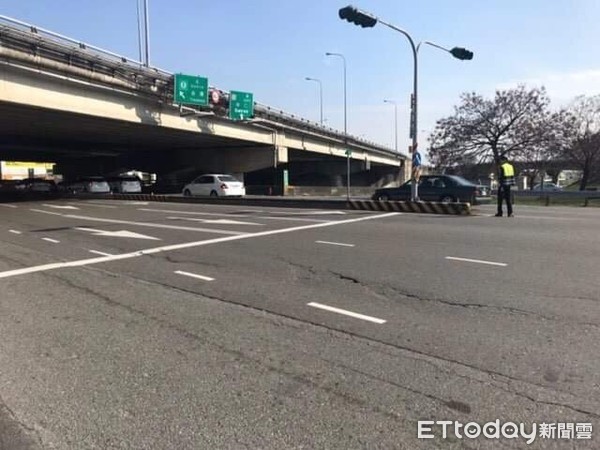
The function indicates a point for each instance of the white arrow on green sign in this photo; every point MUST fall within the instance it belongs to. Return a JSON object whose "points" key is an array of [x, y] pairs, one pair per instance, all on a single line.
{"points": [[191, 90], [241, 105]]}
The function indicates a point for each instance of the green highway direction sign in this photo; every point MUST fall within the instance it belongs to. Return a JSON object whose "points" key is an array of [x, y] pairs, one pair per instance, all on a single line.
{"points": [[191, 90], [241, 105]]}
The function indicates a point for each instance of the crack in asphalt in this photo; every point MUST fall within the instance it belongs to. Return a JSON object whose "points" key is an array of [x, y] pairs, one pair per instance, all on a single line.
{"points": [[422, 354], [32, 432], [410, 295], [239, 354]]}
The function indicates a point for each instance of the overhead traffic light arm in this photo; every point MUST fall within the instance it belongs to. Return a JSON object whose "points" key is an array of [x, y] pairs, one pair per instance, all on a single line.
{"points": [[357, 17]]}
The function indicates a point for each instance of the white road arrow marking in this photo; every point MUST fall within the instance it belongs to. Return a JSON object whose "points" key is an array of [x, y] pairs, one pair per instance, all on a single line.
{"points": [[216, 221], [61, 206], [120, 233]]}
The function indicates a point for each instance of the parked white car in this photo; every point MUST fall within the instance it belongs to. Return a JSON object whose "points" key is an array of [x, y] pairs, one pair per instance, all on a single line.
{"points": [[125, 184], [215, 185]]}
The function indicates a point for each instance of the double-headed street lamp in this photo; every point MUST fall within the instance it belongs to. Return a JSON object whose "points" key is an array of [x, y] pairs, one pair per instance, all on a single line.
{"points": [[367, 20], [345, 125], [395, 122], [320, 95]]}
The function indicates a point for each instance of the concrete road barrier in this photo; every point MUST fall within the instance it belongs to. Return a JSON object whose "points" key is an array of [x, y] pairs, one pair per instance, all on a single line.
{"points": [[463, 209]]}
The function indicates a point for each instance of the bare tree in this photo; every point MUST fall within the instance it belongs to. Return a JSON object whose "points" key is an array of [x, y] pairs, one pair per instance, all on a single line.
{"points": [[581, 130], [515, 122]]}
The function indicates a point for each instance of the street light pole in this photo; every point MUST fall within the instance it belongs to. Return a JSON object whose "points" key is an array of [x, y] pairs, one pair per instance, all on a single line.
{"points": [[320, 94], [345, 125], [395, 122]]}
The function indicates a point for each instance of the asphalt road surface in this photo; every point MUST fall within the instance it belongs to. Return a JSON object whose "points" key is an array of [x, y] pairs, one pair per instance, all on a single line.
{"points": [[142, 325]]}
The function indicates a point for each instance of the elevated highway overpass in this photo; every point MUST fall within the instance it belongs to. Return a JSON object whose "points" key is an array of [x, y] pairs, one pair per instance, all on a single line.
{"points": [[92, 111]]}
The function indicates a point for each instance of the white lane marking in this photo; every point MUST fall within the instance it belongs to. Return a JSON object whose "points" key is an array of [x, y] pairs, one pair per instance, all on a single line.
{"points": [[14, 232], [478, 261], [120, 233], [185, 245], [96, 252], [46, 212], [54, 241], [136, 203], [335, 243], [60, 206], [141, 224], [214, 221], [92, 204], [173, 211], [347, 313], [194, 275], [7, 205]]}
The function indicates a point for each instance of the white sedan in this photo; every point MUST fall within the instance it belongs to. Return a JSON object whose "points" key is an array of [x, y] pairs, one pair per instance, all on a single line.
{"points": [[215, 185]]}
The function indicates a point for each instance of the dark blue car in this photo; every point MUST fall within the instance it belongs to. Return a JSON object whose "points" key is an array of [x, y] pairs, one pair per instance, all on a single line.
{"points": [[436, 188]]}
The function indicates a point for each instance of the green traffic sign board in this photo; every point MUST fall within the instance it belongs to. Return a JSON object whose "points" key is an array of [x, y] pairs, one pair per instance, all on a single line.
{"points": [[241, 105], [348, 152], [191, 90]]}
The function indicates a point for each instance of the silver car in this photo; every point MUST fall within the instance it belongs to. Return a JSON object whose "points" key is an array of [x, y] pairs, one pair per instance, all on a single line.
{"points": [[92, 185], [125, 185]]}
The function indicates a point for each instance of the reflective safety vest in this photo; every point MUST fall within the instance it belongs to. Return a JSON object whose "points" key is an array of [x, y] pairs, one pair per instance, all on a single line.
{"points": [[507, 176]]}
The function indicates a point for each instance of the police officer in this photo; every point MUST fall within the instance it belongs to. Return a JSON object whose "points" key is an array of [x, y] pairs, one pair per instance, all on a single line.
{"points": [[506, 177]]}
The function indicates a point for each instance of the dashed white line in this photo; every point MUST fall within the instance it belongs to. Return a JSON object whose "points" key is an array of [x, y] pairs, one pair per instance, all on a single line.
{"points": [[346, 313], [96, 252], [194, 275], [14, 231], [6, 205], [168, 248], [341, 244], [477, 261], [54, 241]]}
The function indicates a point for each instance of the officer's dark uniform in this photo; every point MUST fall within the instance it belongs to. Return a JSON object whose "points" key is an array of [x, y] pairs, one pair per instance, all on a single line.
{"points": [[507, 179]]}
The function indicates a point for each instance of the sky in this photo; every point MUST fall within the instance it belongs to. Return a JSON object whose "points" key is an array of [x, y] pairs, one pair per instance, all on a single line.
{"points": [[268, 47]]}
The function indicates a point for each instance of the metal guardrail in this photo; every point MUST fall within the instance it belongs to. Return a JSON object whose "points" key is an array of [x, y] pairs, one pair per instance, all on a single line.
{"points": [[135, 70]]}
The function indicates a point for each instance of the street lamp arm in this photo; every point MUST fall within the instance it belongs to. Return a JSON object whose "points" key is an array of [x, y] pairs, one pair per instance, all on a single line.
{"points": [[436, 46]]}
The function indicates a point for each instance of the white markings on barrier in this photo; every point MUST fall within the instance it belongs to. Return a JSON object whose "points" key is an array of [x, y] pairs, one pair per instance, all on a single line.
{"points": [[54, 241], [477, 261], [186, 245], [194, 275], [335, 243], [346, 313]]}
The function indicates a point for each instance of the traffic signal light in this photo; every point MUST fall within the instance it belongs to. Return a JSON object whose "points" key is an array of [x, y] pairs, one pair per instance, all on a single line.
{"points": [[461, 53], [357, 17]]}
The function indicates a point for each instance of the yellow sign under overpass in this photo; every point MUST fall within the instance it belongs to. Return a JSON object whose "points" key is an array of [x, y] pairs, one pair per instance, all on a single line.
{"points": [[28, 165]]}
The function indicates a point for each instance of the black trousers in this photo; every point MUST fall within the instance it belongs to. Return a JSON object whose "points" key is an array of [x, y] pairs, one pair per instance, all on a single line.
{"points": [[504, 194]]}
